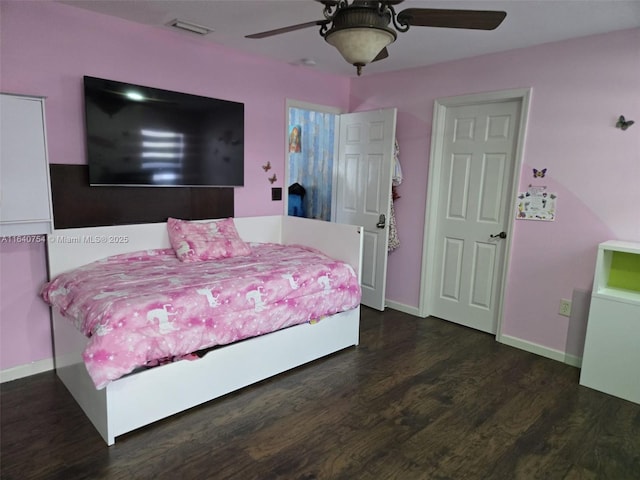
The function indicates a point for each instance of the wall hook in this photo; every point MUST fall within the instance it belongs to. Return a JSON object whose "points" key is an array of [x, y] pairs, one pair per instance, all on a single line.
{"points": [[623, 124]]}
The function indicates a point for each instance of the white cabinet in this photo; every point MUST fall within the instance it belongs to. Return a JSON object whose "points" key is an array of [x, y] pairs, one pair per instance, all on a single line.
{"points": [[611, 359], [25, 192]]}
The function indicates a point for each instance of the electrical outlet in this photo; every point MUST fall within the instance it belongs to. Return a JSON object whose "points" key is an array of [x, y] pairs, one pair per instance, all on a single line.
{"points": [[565, 307]]}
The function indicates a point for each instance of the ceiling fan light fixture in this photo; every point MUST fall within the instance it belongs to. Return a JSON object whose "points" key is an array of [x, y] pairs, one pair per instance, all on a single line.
{"points": [[361, 29], [360, 45]]}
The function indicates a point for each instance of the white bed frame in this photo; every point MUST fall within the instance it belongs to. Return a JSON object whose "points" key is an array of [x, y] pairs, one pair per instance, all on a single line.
{"points": [[139, 399]]}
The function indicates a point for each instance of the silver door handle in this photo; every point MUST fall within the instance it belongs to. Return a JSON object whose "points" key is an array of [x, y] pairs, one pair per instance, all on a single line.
{"points": [[382, 221]]}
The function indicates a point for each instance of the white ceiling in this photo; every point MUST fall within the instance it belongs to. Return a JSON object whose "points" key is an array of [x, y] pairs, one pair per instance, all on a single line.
{"points": [[528, 22]]}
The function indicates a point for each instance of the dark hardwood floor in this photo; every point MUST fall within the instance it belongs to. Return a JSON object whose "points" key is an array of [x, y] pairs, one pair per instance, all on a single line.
{"points": [[418, 399]]}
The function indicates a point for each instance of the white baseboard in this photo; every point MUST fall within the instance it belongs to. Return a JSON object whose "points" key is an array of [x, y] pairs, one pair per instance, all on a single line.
{"points": [[541, 350], [530, 347], [401, 307], [22, 371]]}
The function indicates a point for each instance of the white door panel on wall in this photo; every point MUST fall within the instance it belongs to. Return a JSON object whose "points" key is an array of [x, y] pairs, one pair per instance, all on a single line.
{"points": [[25, 194], [477, 167], [365, 167]]}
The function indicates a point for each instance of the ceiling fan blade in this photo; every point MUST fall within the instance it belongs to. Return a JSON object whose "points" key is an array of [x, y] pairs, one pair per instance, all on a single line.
{"points": [[290, 28], [384, 53], [374, 2], [435, 17]]}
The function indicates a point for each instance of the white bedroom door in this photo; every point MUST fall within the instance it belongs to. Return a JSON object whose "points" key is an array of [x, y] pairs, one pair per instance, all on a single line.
{"points": [[472, 219], [363, 197]]}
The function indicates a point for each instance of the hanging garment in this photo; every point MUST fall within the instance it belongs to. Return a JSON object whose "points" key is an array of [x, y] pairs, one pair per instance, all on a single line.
{"points": [[397, 170], [394, 241]]}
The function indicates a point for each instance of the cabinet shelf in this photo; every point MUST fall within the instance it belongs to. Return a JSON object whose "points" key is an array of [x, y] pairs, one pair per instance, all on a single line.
{"points": [[618, 270], [619, 294]]}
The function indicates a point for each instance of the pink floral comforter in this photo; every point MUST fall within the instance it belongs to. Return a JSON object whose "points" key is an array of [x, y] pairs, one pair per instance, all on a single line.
{"points": [[140, 307]]}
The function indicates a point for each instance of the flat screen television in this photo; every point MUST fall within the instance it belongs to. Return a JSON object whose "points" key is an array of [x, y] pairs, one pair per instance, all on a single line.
{"points": [[143, 136]]}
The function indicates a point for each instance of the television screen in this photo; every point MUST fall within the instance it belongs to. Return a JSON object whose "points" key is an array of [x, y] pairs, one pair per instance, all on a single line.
{"points": [[143, 136]]}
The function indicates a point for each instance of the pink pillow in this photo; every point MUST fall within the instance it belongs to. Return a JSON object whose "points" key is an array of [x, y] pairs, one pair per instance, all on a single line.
{"points": [[198, 241]]}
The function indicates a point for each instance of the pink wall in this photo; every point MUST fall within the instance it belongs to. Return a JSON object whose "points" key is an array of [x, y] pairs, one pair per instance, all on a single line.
{"points": [[25, 334], [47, 48], [580, 87]]}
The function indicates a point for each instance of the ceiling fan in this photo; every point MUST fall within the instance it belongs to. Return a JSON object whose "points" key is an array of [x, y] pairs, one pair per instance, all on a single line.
{"points": [[360, 29]]}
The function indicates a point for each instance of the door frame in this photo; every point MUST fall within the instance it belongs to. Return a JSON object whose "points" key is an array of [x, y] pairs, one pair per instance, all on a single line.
{"points": [[290, 103], [523, 95]]}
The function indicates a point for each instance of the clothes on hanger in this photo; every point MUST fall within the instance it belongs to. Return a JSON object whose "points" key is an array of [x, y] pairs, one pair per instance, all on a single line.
{"points": [[394, 240]]}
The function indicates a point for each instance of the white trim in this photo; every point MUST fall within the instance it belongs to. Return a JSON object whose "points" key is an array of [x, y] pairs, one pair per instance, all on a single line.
{"points": [[21, 371], [541, 350], [334, 176], [401, 307], [433, 190]]}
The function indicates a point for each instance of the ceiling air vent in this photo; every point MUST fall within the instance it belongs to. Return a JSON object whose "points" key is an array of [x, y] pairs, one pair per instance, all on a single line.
{"points": [[189, 27]]}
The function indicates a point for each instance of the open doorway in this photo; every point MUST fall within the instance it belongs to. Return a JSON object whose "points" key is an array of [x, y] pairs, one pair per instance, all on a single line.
{"points": [[312, 142], [345, 177]]}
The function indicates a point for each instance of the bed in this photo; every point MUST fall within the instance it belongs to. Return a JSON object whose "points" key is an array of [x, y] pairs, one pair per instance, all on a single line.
{"points": [[146, 395]]}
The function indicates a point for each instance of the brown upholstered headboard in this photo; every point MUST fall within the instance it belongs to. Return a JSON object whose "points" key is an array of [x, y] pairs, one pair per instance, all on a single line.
{"points": [[77, 204]]}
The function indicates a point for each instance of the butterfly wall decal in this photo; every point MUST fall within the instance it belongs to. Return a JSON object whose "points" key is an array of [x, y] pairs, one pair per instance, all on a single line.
{"points": [[623, 123], [539, 173], [267, 167], [273, 179]]}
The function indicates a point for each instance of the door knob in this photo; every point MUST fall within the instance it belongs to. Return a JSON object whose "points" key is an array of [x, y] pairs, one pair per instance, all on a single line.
{"points": [[499, 235], [382, 221]]}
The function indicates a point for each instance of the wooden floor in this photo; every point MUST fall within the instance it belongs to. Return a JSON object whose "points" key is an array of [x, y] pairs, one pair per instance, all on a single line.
{"points": [[418, 399]]}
